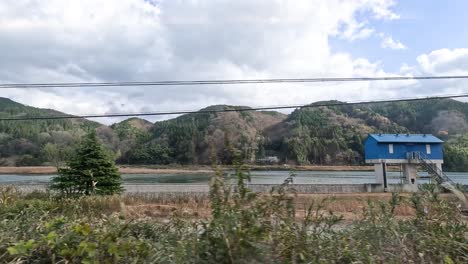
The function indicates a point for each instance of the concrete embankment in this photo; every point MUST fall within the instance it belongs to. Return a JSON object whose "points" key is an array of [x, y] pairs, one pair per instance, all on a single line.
{"points": [[299, 188]]}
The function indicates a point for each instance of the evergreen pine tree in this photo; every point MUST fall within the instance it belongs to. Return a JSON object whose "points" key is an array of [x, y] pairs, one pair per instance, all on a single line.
{"points": [[89, 171]]}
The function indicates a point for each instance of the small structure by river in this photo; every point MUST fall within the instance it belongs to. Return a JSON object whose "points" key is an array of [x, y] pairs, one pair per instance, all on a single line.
{"points": [[406, 150]]}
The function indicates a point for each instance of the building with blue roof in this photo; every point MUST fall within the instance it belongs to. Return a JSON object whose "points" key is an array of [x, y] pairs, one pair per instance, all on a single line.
{"points": [[395, 148], [407, 150]]}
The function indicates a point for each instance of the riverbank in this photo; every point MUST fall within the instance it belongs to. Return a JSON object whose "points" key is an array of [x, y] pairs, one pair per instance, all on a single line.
{"points": [[41, 170], [44, 170]]}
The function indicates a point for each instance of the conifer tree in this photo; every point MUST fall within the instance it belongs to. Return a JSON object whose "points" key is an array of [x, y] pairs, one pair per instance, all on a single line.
{"points": [[90, 171]]}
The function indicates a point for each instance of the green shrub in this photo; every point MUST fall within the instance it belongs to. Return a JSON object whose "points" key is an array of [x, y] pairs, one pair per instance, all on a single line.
{"points": [[244, 227], [28, 160]]}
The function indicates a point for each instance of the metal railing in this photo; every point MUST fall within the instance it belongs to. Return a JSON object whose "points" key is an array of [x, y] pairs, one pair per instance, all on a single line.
{"points": [[441, 178], [438, 175]]}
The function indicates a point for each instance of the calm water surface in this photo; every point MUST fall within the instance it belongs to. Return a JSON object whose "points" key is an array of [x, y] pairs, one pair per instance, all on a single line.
{"points": [[258, 177]]}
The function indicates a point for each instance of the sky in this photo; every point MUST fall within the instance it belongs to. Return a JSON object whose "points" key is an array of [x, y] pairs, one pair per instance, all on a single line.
{"points": [[157, 40]]}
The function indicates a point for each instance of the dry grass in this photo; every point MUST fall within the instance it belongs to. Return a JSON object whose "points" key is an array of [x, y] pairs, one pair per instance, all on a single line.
{"points": [[149, 211], [28, 170], [163, 205], [352, 206]]}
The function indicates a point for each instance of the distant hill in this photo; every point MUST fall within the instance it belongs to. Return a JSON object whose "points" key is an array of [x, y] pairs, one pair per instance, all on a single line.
{"points": [[326, 134], [137, 123], [334, 134], [445, 117], [12, 109], [22, 142], [201, 138], [310, 135], [130, 127]]}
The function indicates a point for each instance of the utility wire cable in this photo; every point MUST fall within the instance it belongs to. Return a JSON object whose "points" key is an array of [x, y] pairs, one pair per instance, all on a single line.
{"points": [[30, 118], [220, 82]]}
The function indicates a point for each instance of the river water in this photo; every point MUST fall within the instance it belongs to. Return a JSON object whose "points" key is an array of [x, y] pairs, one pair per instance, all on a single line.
{"points": [[257, 177]]}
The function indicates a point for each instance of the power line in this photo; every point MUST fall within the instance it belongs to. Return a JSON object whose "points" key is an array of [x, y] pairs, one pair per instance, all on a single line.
{"points": [[212, 82], [231, 110]]}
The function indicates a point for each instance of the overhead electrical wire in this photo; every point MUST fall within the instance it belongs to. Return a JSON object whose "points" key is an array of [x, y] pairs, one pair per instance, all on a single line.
{"points": [[221, 82], [261, 108]]}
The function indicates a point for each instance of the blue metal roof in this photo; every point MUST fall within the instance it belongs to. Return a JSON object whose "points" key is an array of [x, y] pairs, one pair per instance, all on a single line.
{"points": [[405, 138]]}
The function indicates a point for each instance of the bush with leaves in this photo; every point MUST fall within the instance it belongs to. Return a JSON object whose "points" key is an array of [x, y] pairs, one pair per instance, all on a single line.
{"points": [[244, 227]]}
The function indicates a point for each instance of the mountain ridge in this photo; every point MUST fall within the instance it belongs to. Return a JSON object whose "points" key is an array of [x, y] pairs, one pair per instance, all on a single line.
{"points": [[323, 135]]}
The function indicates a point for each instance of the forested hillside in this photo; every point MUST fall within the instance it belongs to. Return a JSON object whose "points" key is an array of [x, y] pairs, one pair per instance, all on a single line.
{"points": [[202, 138], [443, 117], [37, 141], [327, 135], [311, 135]]}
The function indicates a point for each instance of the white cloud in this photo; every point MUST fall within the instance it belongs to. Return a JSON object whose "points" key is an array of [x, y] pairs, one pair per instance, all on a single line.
{"points": [[137, 40], [383, 10], [355, 31], [439, 63], [445, 62], [389, 43]]}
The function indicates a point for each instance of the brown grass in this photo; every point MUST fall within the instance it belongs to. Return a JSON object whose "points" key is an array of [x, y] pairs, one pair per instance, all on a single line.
{"points": [[349, 206], [28, 170]]}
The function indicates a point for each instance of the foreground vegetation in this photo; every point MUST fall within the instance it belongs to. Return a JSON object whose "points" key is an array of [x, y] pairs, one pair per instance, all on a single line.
{"points": [[240, 227]]}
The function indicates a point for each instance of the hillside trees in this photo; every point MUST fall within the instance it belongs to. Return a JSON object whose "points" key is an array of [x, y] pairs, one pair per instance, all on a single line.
{"points": [[311, 135], [57, 154], [315, 137], [149, 153], [456, 154], [24, 141]]}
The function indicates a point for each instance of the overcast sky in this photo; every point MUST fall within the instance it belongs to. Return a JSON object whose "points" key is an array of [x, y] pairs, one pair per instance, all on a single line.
{"points": [[155, 40]]}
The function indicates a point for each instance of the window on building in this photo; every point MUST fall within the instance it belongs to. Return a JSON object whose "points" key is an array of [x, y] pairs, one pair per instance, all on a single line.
{"points": [[390, 148], [428, 149]]}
